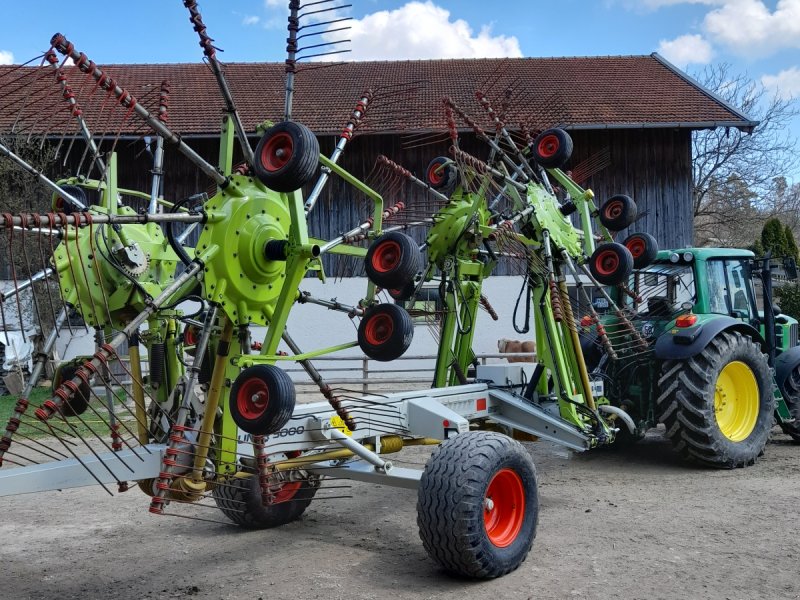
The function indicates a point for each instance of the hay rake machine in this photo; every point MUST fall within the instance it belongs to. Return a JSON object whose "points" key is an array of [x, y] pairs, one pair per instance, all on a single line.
{"points": [[211, 424]]}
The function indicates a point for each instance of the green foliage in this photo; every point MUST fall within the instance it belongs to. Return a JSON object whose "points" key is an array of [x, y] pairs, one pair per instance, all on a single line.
{"points": [[757, 248], [791, 243], [789, 299], [773, 237]]}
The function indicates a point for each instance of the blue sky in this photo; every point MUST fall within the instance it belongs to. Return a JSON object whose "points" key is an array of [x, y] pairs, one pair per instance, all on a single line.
{"points": [[761, 38]]}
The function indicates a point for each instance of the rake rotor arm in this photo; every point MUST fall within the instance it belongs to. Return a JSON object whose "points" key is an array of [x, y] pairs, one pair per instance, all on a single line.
{"points": [[206, 43], [347, 133], [129, 101], [54, 220], [75, 110], [6, 151]]}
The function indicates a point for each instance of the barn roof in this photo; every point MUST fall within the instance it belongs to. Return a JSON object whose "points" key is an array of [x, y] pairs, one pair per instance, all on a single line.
{"points": [[578, 92]]}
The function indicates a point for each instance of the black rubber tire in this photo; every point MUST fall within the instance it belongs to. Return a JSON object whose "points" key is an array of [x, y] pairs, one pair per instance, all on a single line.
{"points": [[591, 349], [393, 260], [286, 174], [441, 178], [643, 247], [450, 504], [405, 293], [59, 204], [385, 332], [618, 212], [79, 401], [611, 263], [273, 410], [552, 148], [685, 403], [791, 394], [239, 498]]}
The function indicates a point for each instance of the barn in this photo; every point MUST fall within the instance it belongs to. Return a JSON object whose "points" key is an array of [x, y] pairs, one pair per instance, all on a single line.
{"points": [[631, 119]]}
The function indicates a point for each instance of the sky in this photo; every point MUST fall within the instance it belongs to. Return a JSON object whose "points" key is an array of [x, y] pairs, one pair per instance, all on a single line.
{"points": [[759, 38]]}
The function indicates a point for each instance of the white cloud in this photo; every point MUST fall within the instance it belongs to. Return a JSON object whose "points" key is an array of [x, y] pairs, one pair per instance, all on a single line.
{"points": [[750, 27], [274, 3], [686, 49], [421, 30], [786, 83], [6, 57], [250, 20]]}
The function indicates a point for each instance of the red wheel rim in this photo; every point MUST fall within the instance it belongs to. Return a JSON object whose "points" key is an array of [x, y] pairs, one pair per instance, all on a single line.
{"points": [[636, 246], [548, 146], [379, 329], [277, 152], [612, 210], [435, 174], [287, 492], [504, 508], [189, 337], [253, 398], [607, 262], [386, 256]]}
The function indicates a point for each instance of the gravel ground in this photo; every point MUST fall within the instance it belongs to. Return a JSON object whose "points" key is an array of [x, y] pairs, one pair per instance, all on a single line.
{"points": [[634, 524]]}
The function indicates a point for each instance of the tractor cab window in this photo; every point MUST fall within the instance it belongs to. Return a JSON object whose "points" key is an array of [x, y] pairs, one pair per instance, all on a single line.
{"points": [[730, 290], [662, 289]]}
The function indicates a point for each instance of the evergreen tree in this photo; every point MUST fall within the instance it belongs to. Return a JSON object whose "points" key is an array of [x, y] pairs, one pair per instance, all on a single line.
{"points": [[773, 238], [791, 243]]}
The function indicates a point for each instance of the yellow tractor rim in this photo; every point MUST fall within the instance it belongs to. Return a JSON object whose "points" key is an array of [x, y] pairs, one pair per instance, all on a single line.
{"points": [[736, 400]]}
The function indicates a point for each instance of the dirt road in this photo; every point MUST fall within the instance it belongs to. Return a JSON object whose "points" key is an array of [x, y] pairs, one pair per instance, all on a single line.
{"points": [[638, 524]]}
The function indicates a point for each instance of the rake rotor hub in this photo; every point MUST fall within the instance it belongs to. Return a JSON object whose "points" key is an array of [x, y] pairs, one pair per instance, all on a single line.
{"points": [[241, 275]]}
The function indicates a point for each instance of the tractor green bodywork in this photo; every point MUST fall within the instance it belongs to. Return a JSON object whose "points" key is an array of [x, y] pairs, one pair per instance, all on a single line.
{"points": [[711, 290]]}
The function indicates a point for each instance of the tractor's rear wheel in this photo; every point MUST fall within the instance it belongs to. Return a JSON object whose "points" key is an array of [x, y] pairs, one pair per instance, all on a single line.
{"points": [[791, 388], [239, 498], [718, 406], [478, 504]]}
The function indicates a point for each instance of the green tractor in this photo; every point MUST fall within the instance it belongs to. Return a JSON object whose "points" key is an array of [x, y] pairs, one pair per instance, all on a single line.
{"points": [[721, 364]]}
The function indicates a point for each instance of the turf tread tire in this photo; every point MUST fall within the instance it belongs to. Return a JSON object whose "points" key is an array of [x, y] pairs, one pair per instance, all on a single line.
{"points": [[685, 403], [450, 504]]}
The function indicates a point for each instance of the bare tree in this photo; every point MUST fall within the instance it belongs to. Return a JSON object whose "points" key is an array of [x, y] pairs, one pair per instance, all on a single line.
{"points": [[737, 174]]}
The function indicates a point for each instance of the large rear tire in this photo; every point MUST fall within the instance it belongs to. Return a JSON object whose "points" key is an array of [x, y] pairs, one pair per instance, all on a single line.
{"points": [[791, 391], [718, 406], [478, 504], [239, 498]]}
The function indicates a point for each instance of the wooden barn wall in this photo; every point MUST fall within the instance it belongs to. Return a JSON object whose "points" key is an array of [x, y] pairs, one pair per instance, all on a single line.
{"points": [[651, 165]]}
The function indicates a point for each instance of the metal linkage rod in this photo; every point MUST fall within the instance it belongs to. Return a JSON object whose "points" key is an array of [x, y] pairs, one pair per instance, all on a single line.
{"points": [[206, 43], [347, 134], [6, 151], [503, 132], [326, 390], [108, 350], [74, 108], [158, 155], [307, 298], [129, 101], [21, 287], [482, 167], [80, 219], [359, 233]]}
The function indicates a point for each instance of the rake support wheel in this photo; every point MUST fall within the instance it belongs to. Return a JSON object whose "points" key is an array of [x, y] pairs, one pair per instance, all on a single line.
{"points": [[643, 247], [239, 498], [79, 401], [393, 260], [441, 173], [552, 148], [618, 212], [478, 504], [286, 157], [611, 263], [262, 399], [718, 405], [385, 332]]}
